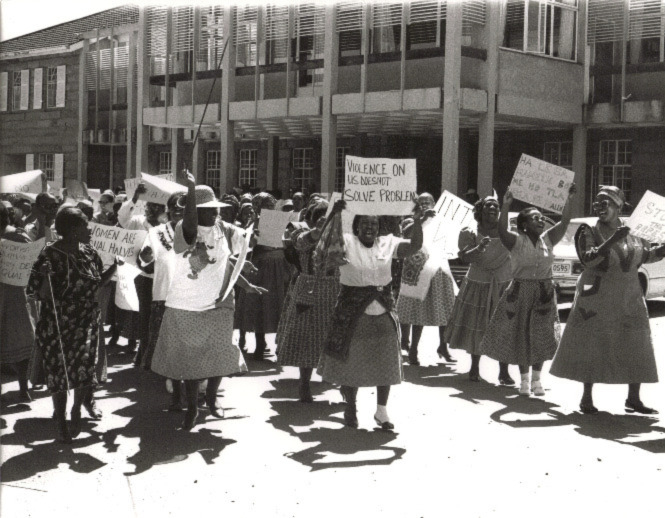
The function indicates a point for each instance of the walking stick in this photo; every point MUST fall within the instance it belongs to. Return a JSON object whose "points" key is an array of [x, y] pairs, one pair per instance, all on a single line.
{"points": [[57, 325]]}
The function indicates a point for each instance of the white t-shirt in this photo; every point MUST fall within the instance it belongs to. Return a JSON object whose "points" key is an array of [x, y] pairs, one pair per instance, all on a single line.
{"points": [[198, 274], [160, 241]]}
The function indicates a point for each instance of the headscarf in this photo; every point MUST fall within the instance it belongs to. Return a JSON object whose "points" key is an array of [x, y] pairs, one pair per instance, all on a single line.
{"points": [[613, 193]]}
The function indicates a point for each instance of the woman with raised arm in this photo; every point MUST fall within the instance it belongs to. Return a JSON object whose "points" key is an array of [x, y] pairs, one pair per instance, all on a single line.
{"points": [[362, 348], [524, 328], [607, 337], [488, 277]]}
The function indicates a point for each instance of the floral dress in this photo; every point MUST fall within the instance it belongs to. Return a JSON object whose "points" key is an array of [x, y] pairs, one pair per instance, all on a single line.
{"points": [[71, 327]]}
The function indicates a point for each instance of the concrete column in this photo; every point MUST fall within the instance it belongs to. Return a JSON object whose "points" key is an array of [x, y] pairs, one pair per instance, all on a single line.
{"points": [[329, 121], [142, 96], [490, 76], [451, 96], [579, 167], [272, 168], [131, 107], [179, 158], [227, 128], [82, 156], [463, 161]]}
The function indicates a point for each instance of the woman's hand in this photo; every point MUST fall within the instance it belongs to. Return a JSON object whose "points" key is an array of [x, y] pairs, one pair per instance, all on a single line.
{"points": [[248, 268], [429, 213], [339, 206], [46, 268], [508, 199], [620, 233], [140, 189], [189, 178], [660, 250], [147, 255], [256, 290], [484, 243]]}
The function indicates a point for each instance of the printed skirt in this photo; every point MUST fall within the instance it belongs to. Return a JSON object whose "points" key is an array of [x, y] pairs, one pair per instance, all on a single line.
{"points": [[435, 309], [472, 313], [524, 329], [374, 356], [306, 319], [196, 345]]}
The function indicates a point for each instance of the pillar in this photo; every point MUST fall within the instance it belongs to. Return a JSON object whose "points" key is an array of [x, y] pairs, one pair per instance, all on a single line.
{"points": [[272, 169], [227, 127], [579, 167], [179, 157], [142, 96], [329, 121], [82, 155], [451, 96]]}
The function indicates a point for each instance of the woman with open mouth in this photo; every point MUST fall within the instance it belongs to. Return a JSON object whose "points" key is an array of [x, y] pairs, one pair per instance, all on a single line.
{"points": [[524, 328], [607, 337]]}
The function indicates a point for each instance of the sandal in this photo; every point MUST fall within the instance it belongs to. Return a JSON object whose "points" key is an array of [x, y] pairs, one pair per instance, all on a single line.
{"points": [[91, 407]]}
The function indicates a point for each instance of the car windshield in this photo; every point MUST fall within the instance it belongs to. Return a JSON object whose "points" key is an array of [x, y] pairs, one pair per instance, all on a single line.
{"points": [[569, 237]]}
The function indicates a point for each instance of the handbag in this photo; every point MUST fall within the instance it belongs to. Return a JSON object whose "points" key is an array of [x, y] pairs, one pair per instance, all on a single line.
{"points": [[305, 292]]}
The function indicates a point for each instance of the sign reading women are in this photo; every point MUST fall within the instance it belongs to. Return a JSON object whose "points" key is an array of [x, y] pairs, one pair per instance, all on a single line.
{"points": [[380, 186], [543, 184], [116, 241]]}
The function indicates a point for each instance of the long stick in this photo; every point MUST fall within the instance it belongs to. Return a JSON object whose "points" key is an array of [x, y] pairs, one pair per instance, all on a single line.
{"points": [[57, 325]]}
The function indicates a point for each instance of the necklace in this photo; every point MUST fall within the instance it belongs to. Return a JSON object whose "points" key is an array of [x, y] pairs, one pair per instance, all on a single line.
{"points": [[162, 238]]}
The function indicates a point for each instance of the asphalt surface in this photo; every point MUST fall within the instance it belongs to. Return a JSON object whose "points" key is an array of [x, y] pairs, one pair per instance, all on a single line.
{"points": [[460, 449]]}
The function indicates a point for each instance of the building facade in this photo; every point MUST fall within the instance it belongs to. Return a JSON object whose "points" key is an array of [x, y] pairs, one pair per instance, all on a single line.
{"points": [[274, 96]]}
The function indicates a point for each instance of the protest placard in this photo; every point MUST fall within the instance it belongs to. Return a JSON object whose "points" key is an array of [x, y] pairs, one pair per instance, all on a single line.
{"points": [[648, 219], [125, 294], [380, 186], [76, 190], [30, 182], [95, 194], [452, 215], [237, 269], [272, 225], [158, 187], [116, 241], [542, 184], [16, 260]]}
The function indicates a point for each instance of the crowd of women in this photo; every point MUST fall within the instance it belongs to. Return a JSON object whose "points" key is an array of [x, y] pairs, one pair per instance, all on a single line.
{"points": [[350, 316]]}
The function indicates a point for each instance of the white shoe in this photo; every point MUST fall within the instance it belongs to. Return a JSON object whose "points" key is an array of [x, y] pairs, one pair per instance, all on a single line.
{"points": [[169, 386], [537, 388], [524, 388]]}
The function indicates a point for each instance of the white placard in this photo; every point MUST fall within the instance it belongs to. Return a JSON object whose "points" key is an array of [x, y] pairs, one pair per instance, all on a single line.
{"points": [[542, 184], [116, 241], [23, 183], [452, 215], [76, 190], [16, 260], [237, 269], [125, 293], [648, 219], [380, 186], [272, 225], [158, 188]]}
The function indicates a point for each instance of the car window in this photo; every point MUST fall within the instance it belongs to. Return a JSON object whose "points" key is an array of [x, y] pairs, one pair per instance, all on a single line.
{"points": [[569, 236]]}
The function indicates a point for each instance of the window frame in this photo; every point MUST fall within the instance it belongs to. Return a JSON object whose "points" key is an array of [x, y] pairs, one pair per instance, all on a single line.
{"points": [[247, 167], [163, 159], [43, 163], [51, 86], [302, 173], [558, 145], [16, 88], [621, 172], [213, 168]]}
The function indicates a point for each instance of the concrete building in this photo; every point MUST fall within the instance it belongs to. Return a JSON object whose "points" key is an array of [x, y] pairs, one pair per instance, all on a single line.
{"points": [[281, 93]]}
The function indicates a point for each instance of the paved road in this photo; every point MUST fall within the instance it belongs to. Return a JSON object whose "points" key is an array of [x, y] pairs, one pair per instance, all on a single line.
{"points": [[462, 449]]}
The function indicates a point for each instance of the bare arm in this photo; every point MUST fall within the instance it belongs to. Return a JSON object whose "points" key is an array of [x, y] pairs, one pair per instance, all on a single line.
{"points": [[190, 220], [508, 238], [412, 246], [557, 232]]}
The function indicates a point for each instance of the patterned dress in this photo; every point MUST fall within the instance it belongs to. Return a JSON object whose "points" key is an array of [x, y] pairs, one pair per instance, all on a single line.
{"points": [[607, 337], [73, 323], [487, 278], [305, 321], [524, 329]]}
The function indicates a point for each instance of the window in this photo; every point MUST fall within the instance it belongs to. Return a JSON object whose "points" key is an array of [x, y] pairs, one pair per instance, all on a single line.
{"points": [[615, 166], [164, 162], [246, 35], [340, 157], [16, 90], [51, 86], [247, 173], [559, 153], [310, 26], [213, 168], [547, 27], [47, 165], [303, 164], [426, 25], [386, 27], [349, 25]]}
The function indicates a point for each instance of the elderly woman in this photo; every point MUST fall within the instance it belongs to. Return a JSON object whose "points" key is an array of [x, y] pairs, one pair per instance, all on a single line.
{"points": [[306, 319], [433, 310], [362, 348], [488, 277], [195, 337], [17, 326], [524, 328], [607, 338], [65, 280]]}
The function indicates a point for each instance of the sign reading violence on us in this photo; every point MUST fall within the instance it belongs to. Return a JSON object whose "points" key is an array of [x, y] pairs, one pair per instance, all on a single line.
{"points": [[16, 260], [648, 219], [380, 186], [542, 184], [116, 241]]}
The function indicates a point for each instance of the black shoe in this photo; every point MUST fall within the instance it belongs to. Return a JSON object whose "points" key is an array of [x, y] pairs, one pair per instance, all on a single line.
{"points": [[506, 380], [474, 376], [639, 408], [190, 418], [91, 407], [588, 408], [305, 393], [214, 407], [384, 425], [76, 422], [413, 357], [62, 431], [442, 351]]}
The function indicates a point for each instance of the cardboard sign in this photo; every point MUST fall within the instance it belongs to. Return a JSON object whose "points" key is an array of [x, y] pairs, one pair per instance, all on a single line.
{"points": [[380, 186], [452, 215], [237, 269], [95, 194], [116, 241], [648, 219], [542, 184], [76, 190], [125, 293], [32, 182], [272, 225], [16, 260], [158, 188]]}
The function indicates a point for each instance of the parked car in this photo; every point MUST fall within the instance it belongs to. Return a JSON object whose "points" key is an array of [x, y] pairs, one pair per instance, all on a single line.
{"points": [[567, 266]]}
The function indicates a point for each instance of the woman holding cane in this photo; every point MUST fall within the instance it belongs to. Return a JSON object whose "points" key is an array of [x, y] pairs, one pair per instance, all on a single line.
{"points": [[65, 280]]}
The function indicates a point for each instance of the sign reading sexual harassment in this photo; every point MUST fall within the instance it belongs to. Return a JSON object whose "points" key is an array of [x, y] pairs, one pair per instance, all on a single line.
{"points": [[542, 184], [380, 186], [116, 241]]}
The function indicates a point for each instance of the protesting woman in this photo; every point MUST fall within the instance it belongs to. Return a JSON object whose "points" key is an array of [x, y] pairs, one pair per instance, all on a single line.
{"points": [[363, 348], [306, 318], [195, 338], [607, 337], [437, 305], [65, 280], [524, 328], [488, 277]]}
